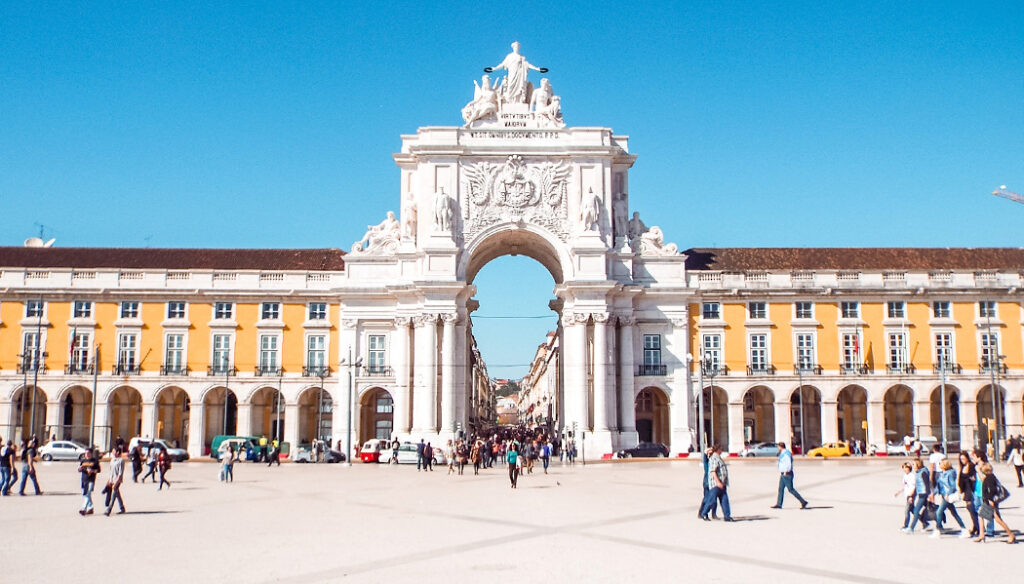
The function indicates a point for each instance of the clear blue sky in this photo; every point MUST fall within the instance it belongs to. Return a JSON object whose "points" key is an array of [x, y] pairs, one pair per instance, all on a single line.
{"points": [[756, 124]]}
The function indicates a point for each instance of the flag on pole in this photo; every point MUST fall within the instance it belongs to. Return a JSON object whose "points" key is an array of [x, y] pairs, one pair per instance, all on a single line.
{"points": [[71, 346]]}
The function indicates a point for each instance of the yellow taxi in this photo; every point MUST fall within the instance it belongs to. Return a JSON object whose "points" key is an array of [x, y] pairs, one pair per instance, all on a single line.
{"points": [[831, 449]]}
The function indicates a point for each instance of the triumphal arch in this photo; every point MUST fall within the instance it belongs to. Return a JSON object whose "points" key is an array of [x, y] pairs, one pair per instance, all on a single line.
{"points": [[515, 179]]}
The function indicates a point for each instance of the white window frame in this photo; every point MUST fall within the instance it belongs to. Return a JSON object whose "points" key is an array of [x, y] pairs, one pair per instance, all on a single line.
{"points": [[324, 364], [81, 309], [983, 309], [376, 355], [940, 306], [796, 310], [761, 310], [941, 348], [184, 309], [270, 311], [896, 350], [711, 307], [39, 357], [845, 304], [269, 358], [130, 309], [757, 352], [985, 359], [711, 350], [900, 307], [182, 351], [127, 356], [652, 349], [82, 349], [800, 350], [851, 357], [30, 313], [217, 362], [223, 310], [316, 316]]}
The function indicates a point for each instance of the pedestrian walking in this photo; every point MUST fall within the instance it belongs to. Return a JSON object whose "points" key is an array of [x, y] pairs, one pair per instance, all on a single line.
{"points": [[449, 455], [135, 456], [228, 465], [512, 458], [151, 463], [6, 467], [476, 455], [921, 497], [394, 451], [718, 485], [275, 454], [936, 457], [28, 467], [545, 456], [992, 494], [421, 463], [263, 448], [428, 457], [461, 456], [89, 468], [163, 465], [946, 489], [786, 478], [907, 492], [705, 458], [1016, 460], [114, 481]]}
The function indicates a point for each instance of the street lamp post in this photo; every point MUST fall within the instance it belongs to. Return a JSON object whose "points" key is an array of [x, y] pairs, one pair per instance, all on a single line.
{"points": [[227, 373], [320, 406], [700, 406], [35, 367], [711, 395], [350, 365], [942, 398], [993, 355], [803, 424]]}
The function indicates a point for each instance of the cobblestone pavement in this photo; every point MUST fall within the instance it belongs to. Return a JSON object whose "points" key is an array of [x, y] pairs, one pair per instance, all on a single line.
{"points": [[622, 522]]}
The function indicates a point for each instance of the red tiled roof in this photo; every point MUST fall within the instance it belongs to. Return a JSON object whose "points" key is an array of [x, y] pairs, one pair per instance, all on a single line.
{"points": [[173, 259], [855, 258]]}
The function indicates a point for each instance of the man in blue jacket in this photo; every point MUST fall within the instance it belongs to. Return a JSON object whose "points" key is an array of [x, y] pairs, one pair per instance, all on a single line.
{"points": [[786, 477]]}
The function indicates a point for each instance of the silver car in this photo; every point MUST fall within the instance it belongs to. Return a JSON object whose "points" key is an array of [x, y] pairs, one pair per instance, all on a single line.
{"points": [[62, 450], [762, 449]]}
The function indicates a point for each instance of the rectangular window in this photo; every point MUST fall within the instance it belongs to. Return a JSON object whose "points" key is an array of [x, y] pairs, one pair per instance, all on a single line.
{"points": [[712, 346], [81, 344], [174, 359], [851, 350], [382, 429], [759, 353], [268, 353], [316, 352], [31, 356], [987, 309], [758, 310], [270, 311], [805, 351], [652, 349], [804, 309], [129, 309], [711, 310], [377, 354], [850, 309], [224, 310], [82, 309], [940, 309], [221, 362], [897, 351], [944, 349], [34, 308], [317, 311], [989, 350], [175, 310], [127, 348], [896, 309]]}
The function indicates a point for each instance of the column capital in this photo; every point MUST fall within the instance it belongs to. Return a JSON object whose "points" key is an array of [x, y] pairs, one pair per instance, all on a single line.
{"points": [[450, 318], [626, 320], [678, 322], [424, 319], [600, 317], [350, 323], [402, 321]]}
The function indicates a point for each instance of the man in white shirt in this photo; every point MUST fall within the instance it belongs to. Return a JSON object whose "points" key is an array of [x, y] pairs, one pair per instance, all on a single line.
{"points": [[934, 459], [786, 477]]}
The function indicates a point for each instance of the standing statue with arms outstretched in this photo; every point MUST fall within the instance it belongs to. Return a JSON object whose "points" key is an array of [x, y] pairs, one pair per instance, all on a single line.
{"points": [[515, 88]]}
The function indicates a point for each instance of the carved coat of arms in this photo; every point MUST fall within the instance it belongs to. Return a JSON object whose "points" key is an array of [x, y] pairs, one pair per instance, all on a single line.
{"points": [[515, 191]]}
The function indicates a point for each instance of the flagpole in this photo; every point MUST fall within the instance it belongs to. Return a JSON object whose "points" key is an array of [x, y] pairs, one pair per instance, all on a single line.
{"points": [[95, 381], [35, 372]]}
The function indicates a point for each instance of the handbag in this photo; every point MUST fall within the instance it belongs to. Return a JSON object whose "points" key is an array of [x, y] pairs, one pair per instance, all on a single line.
{"points": [[954, 498], [1001, 494]]}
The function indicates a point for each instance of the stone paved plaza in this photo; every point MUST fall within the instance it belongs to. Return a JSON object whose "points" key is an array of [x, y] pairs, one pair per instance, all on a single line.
{"points": [[621, 522]]}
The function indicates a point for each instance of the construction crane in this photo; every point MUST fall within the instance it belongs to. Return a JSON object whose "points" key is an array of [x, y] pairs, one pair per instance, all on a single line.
{"points": [[1002, 192]]}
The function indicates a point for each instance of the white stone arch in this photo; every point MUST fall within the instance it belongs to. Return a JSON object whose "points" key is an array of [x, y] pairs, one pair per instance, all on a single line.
{"points": [[205, 391], [64, 389], [510, 238]]}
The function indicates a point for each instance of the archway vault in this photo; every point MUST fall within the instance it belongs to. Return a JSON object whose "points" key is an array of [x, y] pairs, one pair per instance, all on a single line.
{"points": [[515, 239]]}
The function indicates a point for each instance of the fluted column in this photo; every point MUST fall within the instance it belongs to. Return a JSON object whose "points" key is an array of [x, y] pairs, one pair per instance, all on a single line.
{"points": [[576, 403], [463, 382], [627, 408], [603, 402], [403, 367], [448, 412], [424, 413]]}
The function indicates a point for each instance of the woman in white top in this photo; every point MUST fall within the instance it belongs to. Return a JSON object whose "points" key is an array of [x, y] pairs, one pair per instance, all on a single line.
{"points": [[909, 487], [1017, 460]]}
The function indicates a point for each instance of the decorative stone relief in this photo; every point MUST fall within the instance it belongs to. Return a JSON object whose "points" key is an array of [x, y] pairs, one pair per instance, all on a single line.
{"points": [[515, 192], [581, 317], [627, 320], [402, 321], [512, 102], [450, 317], [349, 323], [636, 228], [380, 239], [424, 319], [600, 317]]}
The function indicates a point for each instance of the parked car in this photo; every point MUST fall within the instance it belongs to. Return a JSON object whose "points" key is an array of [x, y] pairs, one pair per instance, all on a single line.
{"points": [[407, 455], [62, 450], [241, 444], [900, 449], [645, 450], [762, 449], [305, 454], [145, 444], [832, 449]]}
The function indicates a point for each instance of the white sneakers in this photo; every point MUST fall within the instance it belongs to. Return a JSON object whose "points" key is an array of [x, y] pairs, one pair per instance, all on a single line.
{"points": [[964, 534], [906, 530], [935, 533]]}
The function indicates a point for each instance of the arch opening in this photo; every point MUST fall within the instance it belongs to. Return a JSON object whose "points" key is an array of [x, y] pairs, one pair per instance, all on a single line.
{"points": [[852, 413], [952, 415], [75, 415], [172, 407], [652, 421], [220, 414], [316, 415], [125, 415], [716, 416], [899, 413], [376, 415], [24, 424], [266, 413], [759, 415], [805, 408]]}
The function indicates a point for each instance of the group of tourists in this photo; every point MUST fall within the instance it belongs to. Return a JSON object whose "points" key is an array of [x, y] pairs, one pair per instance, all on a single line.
{"points": [[9, 457], [932, 489]]}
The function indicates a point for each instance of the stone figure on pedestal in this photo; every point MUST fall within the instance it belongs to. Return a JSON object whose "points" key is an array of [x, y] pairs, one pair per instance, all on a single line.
{"points": [[621, 216], [484, 104], [590, 214], [381, 236], [636, 229], [443, 211], [652, 242], [546, 105], [409, 214], [515, 88]]}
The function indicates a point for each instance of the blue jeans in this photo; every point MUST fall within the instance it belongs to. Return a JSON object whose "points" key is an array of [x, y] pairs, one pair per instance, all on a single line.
{"points": [[716, 495], [920, 505], [786, 483], [87, 493], [943, 506], [5, 478], [25, 475]]}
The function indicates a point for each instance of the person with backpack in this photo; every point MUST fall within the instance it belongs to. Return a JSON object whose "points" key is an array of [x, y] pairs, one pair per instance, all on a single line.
{"points": [[135, 456], [992, 494]]}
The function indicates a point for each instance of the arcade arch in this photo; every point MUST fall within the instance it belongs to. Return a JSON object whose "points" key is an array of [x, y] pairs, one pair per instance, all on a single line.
{"points": [[852, 413], [220, 413], [172, 407], [75, 415], [125, 414], [952, 413], [716, 416], [376, 415], [759, 415], [316, 416], [805, 408], [22, 406], [652, 416], [266, 412], [986, 430], [899, 413]]}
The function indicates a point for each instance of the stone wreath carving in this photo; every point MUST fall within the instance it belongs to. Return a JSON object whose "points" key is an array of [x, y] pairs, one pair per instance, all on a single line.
{"points": [[515, 192]]}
